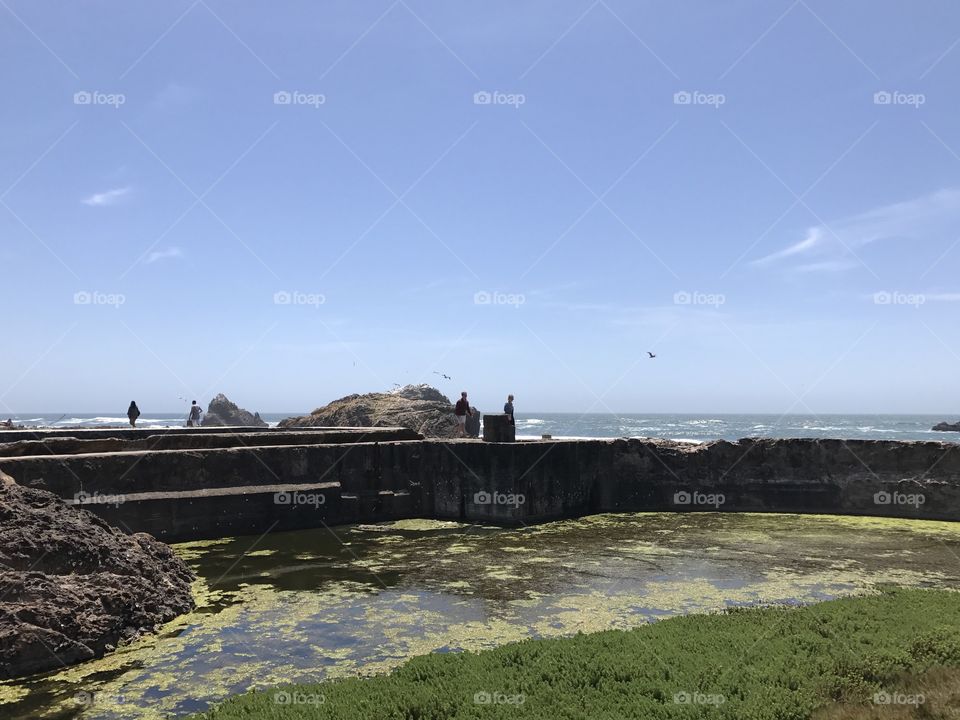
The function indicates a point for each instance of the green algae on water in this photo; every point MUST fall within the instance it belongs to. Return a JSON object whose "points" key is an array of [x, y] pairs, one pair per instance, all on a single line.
{"points": [[302, 606]]}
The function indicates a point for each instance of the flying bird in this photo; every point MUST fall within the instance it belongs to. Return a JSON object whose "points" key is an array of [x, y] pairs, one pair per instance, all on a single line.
{"points": [[651, 354], [445, 377]]}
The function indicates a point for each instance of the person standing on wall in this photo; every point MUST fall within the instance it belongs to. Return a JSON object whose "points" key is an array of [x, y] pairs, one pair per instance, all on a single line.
{"points": [[460, 412], [193, 419], [508, 409], [133, 412]]}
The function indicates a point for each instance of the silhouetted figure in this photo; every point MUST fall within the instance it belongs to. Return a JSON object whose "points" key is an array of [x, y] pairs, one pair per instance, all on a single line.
{"points": [[193, 419], [652, 356], [508, 409], [133, 412]]}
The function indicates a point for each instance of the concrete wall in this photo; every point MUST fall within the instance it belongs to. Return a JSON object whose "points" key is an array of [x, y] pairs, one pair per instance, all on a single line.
{"points": [[209, 492]]}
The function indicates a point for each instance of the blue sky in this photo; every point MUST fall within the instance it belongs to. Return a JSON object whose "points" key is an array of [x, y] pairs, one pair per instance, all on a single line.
{"points": [[290, 202]]}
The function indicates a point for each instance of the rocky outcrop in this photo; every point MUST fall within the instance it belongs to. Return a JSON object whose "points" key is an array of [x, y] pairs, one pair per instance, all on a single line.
{"points": [[223, 412], [947, 427], [73, 587], [420, 408], [472, 425]]}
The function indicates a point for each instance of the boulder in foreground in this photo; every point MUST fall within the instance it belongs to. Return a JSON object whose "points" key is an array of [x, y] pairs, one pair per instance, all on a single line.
{"points": [[223, 412], [420, 408], [73, 587]]}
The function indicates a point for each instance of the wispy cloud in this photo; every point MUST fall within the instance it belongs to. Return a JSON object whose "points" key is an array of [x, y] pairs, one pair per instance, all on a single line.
{"points": [[110, 197], [830, 247], [173, 252]]}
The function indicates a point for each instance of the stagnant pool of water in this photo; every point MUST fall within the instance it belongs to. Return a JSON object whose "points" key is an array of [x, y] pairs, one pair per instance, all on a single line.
{"points": [[308, 605]]}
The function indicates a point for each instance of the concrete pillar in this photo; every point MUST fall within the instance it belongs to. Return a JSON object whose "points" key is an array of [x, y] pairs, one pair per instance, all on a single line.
{"points": [[498, 428]]}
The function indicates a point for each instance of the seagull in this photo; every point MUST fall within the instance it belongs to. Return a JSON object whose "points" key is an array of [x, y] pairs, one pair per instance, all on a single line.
{"points": [[445, 377], [651, 354]]}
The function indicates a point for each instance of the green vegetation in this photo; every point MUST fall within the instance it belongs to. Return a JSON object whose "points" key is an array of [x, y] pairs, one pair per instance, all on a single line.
{"points": [[744, 664]]}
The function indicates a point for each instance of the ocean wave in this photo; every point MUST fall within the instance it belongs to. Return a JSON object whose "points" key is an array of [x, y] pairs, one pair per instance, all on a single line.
{"points": [[103, 420]]}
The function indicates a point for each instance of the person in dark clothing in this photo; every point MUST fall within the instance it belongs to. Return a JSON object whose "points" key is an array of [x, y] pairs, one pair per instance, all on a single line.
{"points": [[508, 409], [133, 412], [460, 412], [193, 419]]}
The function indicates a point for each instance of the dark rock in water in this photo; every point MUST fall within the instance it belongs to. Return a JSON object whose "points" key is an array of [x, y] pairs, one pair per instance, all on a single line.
{"points": [[223, 412], [420, 408], [472, 425], [74, 587], [947, 427]]}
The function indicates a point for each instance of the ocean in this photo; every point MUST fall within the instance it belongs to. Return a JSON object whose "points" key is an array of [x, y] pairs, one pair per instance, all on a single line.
{"points": [[693, 428]]}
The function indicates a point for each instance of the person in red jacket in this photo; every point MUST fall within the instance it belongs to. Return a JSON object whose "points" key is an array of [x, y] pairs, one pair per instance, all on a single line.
{"points": [[460, 412]]}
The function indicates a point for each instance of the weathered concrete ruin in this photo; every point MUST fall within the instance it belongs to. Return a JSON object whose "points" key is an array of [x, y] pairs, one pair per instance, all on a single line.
{"points": [[203, 483]]}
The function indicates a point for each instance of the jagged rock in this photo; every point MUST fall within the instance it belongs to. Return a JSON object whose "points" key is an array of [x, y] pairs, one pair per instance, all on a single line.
{"points": [[472, 425], [947, 427], [74, 587], [223, 412], [420, 408]]}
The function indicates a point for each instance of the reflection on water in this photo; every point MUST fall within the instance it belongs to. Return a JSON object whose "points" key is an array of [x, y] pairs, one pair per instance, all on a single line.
{"points": [[302, 606]]}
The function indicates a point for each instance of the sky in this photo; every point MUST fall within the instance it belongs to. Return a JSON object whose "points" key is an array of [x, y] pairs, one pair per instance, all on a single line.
{"points": [[291, 202]]}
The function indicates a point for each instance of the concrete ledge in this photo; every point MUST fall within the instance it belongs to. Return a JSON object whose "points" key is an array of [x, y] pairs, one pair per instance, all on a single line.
{"points": [[197, 439]]}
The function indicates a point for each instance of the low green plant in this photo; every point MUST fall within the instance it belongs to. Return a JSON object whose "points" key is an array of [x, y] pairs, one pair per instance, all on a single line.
{"points": [[745, 664]]}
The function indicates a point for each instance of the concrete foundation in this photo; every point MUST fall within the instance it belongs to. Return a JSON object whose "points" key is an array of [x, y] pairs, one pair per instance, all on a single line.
{"points": [[254, 482]]}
